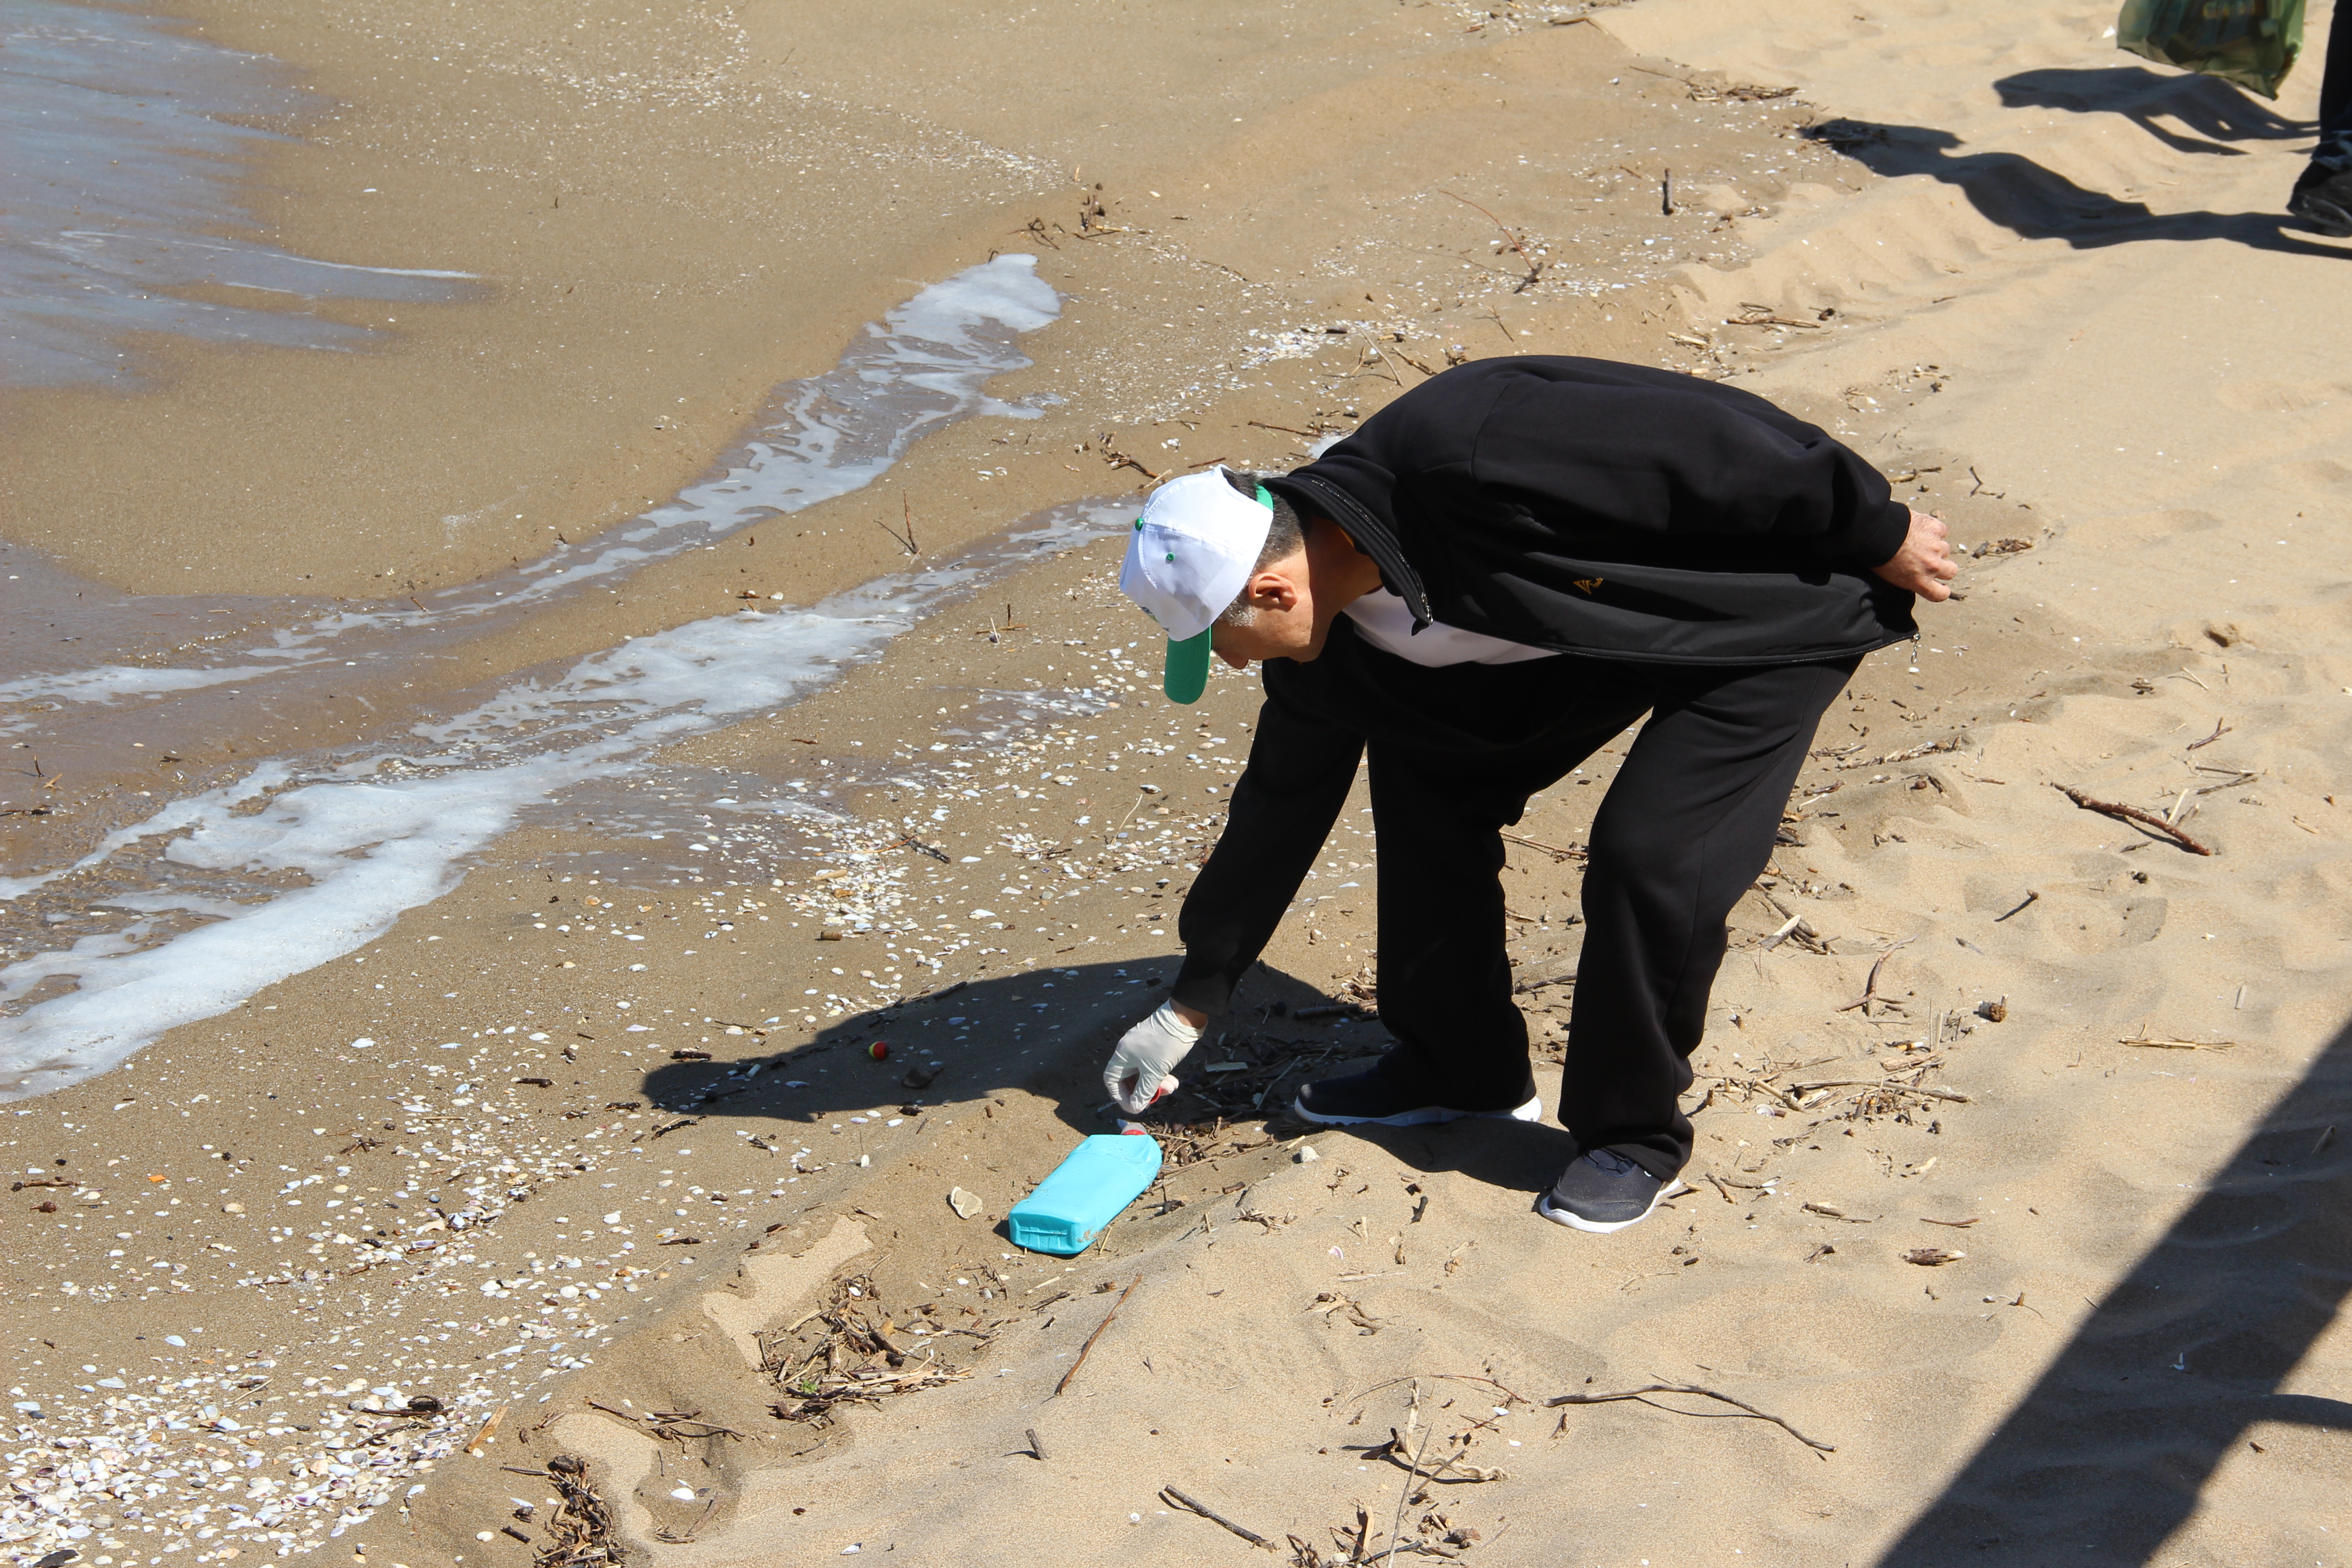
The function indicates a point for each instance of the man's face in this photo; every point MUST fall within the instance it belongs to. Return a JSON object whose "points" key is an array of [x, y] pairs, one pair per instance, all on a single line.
{"points": [[1285, 625]]}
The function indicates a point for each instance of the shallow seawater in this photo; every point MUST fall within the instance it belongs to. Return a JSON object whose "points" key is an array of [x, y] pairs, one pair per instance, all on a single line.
{"points": [[125, 142], [926, 365]]}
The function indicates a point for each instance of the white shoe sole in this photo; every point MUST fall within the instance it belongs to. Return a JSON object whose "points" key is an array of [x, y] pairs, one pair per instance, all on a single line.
{"points": [[1544, 1207], [1421, 1116]]}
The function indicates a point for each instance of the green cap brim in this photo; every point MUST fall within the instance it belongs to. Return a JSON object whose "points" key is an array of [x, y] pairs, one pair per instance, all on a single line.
{"points": [[1186, 674]]}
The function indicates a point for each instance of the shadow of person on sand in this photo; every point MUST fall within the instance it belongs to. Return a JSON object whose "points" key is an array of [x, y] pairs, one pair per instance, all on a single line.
{"points": [[1047, 1032], [2182, 1365], [1024, 1030], [2036, 203], [2221, 114]]}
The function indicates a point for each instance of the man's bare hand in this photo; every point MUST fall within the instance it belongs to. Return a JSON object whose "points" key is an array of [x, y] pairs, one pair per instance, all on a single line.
{"points": [[1925, 563]]}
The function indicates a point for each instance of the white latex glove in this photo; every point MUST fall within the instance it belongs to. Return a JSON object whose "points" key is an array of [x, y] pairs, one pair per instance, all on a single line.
{"points": [[1138, 1069]]}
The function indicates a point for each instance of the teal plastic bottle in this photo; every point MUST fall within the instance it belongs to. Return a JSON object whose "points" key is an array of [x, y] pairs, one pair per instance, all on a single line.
{"points": [[1085, 1192]]}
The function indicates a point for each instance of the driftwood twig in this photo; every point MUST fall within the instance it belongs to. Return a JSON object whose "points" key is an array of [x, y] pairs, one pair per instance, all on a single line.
{"points": [[1091, 1338], [908, 841], [2132, 814], [1170, 1494], [1870, 987], [2031, 896]]}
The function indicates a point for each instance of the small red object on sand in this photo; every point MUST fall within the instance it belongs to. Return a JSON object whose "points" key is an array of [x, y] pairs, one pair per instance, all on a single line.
{"points": [[879, 1049]]}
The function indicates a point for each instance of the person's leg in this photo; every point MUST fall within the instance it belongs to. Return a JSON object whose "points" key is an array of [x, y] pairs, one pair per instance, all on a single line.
{"points": [[1685, 829], [2336, 80], [2323, 195], [1300, 768], [1444, 978]]}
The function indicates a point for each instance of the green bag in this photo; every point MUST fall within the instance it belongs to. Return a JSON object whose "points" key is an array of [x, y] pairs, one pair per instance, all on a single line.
{"points": [[2251, 42]]}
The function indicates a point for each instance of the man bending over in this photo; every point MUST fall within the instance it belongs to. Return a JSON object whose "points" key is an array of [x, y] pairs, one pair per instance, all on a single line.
{"points": [[1494, 576]]}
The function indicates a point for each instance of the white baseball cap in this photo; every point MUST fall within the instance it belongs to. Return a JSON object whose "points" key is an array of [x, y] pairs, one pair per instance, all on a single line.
{"points": [[1187, 560]]}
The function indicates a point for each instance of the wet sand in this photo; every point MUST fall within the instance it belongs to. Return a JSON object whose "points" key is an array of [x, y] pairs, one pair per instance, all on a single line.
{"points": [[585, 1132]]}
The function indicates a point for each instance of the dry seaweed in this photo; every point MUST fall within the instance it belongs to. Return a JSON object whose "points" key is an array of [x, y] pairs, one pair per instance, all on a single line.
{"points": [[581, 1532], [846, 1353]]}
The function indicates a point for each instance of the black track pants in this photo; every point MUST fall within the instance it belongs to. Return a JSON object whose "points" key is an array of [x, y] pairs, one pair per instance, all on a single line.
{"points": [[1684, 828], [2335, 83]]}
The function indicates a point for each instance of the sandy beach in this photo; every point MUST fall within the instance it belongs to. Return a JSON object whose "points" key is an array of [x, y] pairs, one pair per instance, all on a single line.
{"points": [[587, 808]]}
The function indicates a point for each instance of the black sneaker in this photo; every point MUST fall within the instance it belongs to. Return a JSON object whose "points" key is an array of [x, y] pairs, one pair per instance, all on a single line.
{"points": [[1363, 1096], [2323, 196], [1601, 1192]]}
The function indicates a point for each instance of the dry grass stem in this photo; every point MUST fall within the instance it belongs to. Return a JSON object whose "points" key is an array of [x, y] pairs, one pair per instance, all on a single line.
{"points": [[2152, 1042], [1642, 1394], [1559, 854], [1513, 240]]}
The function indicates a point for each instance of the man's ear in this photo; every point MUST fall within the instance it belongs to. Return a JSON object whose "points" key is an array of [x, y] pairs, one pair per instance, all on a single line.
{"points": [[1273, 589]]}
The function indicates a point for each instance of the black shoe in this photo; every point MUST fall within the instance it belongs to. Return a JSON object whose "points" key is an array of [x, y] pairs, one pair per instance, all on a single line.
{"points": [[2323, 196], [1366, 1096], [1601, 1192]]}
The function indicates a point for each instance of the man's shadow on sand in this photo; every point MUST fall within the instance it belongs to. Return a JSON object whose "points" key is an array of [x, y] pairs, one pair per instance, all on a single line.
{"points": [[960, 1046], [2036, 203]]}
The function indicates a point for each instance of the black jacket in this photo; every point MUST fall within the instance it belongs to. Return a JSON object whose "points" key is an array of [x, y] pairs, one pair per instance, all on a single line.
{"points": [[1617, 512]]}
